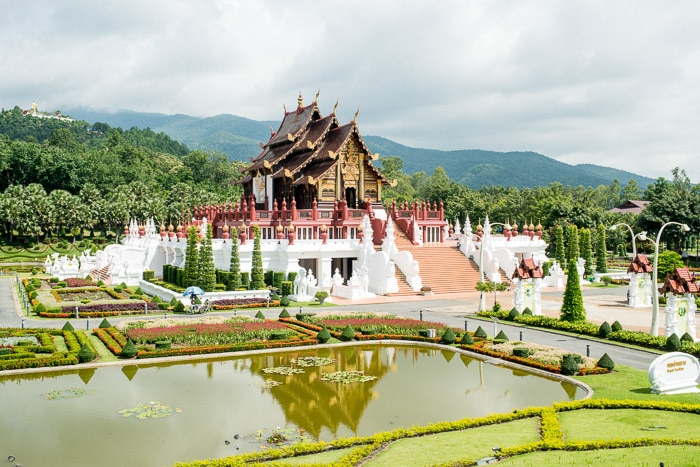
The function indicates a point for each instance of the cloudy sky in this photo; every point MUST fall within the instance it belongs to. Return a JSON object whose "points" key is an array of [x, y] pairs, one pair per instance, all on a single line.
{"points": [[614, 83]]}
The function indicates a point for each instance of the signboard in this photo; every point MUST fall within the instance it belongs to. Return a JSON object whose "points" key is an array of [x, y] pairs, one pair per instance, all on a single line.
{"points": [[674, 373], [682, 314], [529, 292], [642, 289]]}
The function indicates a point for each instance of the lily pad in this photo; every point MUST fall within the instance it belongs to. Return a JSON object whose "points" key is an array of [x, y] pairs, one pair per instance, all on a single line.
{"points": [[70, 393], [281, 370], [150, 410], [347, 377], [312, 361]]}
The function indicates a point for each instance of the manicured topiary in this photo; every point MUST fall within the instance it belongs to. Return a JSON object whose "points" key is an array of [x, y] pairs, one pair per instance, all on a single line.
{"points": [[156, 299], [673, 343], [606, 362], [616, 326], [179, 307], [480, 333], [348, 334], [577, 358], [323, 336], [687, 338], [40, 308], [467, 339], [284, 313], [523, 352], [605, 330], [513, 313], [129, 350], [29, 288], [448, 337], [138, 291], [68, 327], [527, 312], [260, 315], [501, 336], [105, 324], [86, 354], [163, 345], [284, 301], [174, 302], [568, 365]]}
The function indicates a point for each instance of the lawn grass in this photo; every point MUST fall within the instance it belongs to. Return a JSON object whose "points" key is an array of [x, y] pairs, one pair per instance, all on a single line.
{"points": [[590, 424], [629, 383], [60, 343], [322, 458], [102, 352], [474, 443], [648, 456]]}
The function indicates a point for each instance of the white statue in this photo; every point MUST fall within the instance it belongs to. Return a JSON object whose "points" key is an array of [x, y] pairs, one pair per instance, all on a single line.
{"points": [[337, 278], [310, 282], [300, 283]]}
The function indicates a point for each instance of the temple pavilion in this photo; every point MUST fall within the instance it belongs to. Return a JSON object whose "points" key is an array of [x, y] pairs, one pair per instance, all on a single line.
{"points": [[312, 157]]}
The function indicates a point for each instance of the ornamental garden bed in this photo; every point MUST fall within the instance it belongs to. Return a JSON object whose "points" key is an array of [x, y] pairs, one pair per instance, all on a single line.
{"points": [[34, 348]]}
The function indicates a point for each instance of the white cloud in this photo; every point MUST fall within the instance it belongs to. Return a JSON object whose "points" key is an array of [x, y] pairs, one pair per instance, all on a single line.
{"points": [[609, 83]]}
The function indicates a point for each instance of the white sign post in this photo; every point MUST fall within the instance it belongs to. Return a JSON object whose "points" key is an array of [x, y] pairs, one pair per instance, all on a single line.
{"points": [[674, 373]]}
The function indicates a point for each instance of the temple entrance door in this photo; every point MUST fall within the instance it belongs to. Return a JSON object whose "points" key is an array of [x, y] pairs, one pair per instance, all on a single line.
{"points": [[351, 197]]}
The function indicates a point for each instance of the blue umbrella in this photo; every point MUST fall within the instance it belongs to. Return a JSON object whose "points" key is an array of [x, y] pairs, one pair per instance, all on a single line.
{"points": [[192, 290]]}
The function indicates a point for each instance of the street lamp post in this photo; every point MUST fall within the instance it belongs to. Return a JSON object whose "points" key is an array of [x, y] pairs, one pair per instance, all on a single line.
{"points": [[655, 274]]}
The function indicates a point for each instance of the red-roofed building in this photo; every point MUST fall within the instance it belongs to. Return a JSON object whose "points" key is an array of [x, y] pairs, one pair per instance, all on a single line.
{"points": [[682, 287], [632, 206], [527, 279]]}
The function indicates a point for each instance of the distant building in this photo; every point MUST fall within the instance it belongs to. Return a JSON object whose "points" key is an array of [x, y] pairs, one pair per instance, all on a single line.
{"points": [[631, 206], [33, 112]]}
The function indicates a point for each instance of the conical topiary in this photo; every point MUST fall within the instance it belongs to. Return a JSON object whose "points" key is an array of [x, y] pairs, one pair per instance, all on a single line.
{"points": [[323, 336], [501, 336], [673, 343], [348, 334], [527, 312], [448, 337], [513, 313], [105, 324], [569, 366], [129, 350], [605, 330], [68, 327], [616, 326], [85, 354], [687, 338], [284, 313], [480, 333], [467, 339], [606, 362], [260, 315]]}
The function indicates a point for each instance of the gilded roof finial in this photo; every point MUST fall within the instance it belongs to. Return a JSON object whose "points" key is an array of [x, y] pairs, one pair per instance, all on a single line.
{"points": [[285, 108], [335, 107], [317, 94], [300, 100], [354, 120]]}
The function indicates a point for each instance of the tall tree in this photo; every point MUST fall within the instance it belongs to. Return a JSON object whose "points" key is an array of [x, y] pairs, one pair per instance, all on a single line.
{"points": [[191, 273], [257, 274], [586, 251], [572, 248], [235, 267], [572, 308], [207, 271], [559, 250], [601, 251]]}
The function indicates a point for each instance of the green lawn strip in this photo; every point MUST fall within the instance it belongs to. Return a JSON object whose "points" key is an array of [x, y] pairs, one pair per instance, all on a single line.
{"points": [[322, 458], [591, 424], [641, 456], [60, 344], [102, 351], [629, 383], [472, 443]]}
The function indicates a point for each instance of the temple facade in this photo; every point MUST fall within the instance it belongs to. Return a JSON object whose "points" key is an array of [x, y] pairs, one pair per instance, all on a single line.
{"points": [[312, 157]]}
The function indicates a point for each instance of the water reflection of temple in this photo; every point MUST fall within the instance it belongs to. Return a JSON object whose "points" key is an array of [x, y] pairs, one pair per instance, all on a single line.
{"points": [[315, 405]]}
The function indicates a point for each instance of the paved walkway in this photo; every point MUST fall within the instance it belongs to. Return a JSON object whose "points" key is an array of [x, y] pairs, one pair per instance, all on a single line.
{"points": [[457, 310]]}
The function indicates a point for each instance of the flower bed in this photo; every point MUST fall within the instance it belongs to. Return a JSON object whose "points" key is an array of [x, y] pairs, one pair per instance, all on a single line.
{"points": [[237, 303], [390, 325], [23, 356], [98, 311], [85, 293]]}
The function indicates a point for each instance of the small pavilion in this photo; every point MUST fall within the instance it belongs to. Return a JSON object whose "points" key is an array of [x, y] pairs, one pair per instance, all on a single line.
{"points": [[681, 287], [639, 293]]}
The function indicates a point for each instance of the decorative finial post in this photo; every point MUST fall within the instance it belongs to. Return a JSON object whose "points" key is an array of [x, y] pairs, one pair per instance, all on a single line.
{"points": [[354, 120]]}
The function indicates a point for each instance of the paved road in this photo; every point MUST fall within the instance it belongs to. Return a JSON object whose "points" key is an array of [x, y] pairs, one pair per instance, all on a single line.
{"points": [[458, 310]]}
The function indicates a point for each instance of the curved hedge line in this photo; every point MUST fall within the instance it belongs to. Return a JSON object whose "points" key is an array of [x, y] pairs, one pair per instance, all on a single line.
{"points": [[551, 436]]}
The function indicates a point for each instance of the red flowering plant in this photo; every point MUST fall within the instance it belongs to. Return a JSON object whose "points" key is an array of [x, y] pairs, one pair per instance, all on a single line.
{"points": [[234, 303], [209, 334]]}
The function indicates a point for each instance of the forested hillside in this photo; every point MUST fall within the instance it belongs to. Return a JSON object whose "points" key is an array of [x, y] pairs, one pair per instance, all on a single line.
{"points": [[239, 139]]}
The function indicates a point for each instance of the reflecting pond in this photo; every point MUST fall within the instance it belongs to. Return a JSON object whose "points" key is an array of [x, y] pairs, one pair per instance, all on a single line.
{"points": [[146, 414]]}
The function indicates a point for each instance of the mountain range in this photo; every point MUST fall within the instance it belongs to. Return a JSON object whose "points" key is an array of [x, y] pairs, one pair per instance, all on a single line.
{"points": [[239, 138]]}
